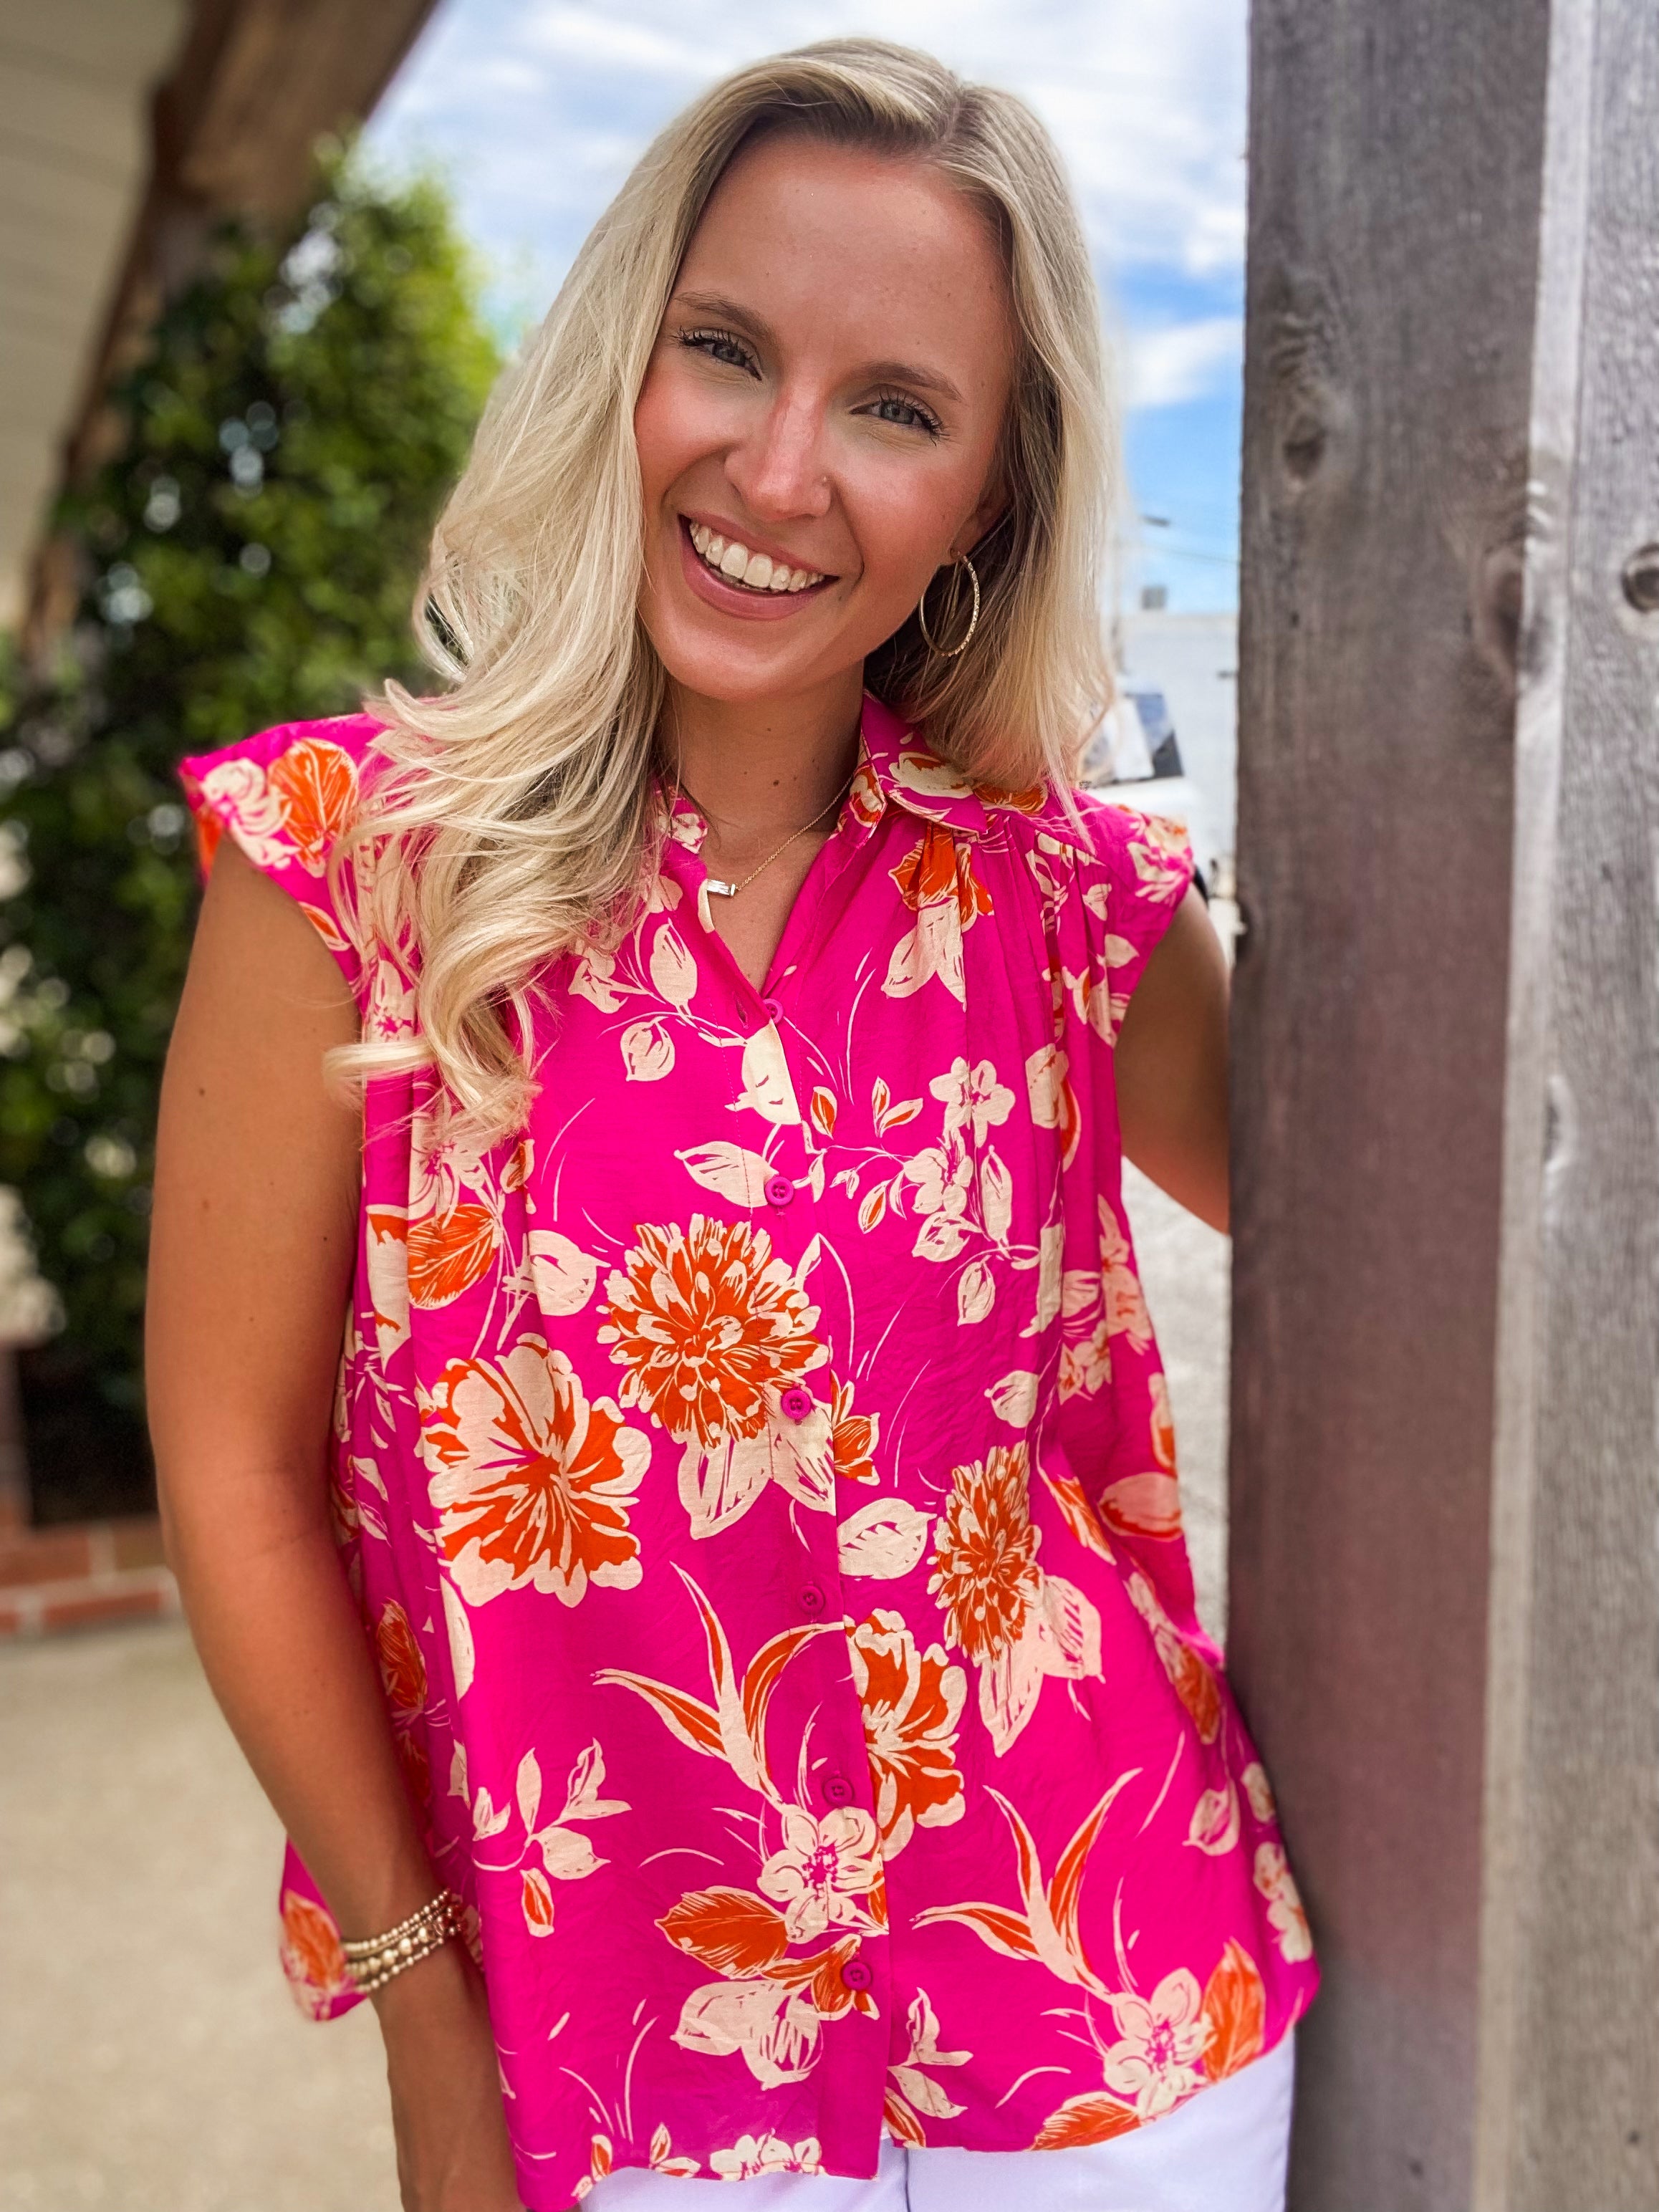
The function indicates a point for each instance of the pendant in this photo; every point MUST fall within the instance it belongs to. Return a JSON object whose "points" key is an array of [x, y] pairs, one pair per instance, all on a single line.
{"points": [[718, 889]]}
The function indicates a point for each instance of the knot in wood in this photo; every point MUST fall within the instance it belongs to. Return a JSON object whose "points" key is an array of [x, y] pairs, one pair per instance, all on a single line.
{"points": [[1640, 580]]}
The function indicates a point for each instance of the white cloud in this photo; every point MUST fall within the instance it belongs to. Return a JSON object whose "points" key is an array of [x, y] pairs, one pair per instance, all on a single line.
{"points": [[1183, 360], [539, 106]]}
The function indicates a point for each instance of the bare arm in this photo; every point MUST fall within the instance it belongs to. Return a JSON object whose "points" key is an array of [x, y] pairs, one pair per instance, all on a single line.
{"points": [[1172, 1066], [255, 1241]]}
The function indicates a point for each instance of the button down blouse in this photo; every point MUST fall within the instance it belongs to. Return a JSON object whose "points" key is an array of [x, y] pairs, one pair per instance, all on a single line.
{"points": [[758, 1482]]}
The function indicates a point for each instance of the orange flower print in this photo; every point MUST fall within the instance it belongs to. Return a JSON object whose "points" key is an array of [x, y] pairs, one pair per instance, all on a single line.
{"points": [[402, 1670], [710, 1328], [853, 1437], [985, 1573], [312, 1958], [938, 870], [532, 1481], [317, 785], [937, 881], [912, 1702]]}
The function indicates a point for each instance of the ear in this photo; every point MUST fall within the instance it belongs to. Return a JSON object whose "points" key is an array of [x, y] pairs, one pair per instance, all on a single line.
{"points": [[993, 505]]}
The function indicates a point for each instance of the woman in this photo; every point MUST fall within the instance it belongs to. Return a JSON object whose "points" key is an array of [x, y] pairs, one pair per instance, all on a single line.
{"points": [[762, 1729]]}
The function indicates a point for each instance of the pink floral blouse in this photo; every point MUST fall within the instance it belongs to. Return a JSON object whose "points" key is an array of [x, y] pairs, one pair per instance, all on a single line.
{"points": [[758, 1484]]}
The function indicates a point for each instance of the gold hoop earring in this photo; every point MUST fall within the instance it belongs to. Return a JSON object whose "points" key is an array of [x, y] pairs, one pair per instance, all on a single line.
{"points": [[951, 654]]}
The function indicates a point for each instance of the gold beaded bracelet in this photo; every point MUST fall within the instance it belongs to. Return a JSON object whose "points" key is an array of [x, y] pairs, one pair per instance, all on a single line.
{"points": [[374, 1961]]}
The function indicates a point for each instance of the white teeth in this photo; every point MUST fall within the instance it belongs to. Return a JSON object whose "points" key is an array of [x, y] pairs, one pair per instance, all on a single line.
{"points": [[738, 565]]}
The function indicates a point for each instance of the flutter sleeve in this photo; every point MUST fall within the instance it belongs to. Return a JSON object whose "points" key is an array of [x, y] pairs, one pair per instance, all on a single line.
{"points": [[1142, 869], [285, 798]]}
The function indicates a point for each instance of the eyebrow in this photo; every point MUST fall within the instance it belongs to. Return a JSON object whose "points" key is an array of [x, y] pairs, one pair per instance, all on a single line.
{"points": [[875, 371]]}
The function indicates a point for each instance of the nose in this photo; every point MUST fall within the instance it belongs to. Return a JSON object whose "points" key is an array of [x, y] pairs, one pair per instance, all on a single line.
{"points": [[780, 470]]}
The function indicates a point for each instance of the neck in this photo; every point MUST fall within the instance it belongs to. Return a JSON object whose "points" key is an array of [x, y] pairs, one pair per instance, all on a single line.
{"points": [[764, 765]]}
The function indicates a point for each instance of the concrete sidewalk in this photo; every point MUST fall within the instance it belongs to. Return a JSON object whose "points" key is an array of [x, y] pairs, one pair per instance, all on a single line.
{"points": [[150, 2060]]}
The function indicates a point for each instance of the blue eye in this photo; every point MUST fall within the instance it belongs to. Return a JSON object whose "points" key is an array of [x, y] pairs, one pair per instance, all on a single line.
{"points": [[905, 413], [721, 346]]}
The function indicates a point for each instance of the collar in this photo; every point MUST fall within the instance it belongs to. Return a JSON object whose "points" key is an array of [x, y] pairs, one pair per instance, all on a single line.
{"points": [[897, 769]]}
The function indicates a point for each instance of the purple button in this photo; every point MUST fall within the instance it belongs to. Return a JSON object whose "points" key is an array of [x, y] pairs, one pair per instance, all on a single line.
{"points": [[838, 1790], [856, 1974], [780, 1191], [796, 1403], [812, 1599], [773, 1009]]}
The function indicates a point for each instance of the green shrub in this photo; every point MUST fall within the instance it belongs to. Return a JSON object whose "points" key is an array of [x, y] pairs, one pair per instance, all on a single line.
{"points": [[249, 558]]}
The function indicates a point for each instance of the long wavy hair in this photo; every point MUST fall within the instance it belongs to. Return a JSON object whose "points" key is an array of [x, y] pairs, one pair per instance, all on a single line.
{"points": [[508, 815]]}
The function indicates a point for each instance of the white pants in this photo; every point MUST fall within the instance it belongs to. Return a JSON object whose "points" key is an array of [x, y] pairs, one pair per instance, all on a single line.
{"points": [[1225, 2150]]}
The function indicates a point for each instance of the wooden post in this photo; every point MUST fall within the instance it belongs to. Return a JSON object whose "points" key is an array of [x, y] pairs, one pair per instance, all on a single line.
{"points": [[1445, 1521]]}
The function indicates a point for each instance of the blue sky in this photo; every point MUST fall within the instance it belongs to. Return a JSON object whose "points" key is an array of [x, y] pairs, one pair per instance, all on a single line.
{"points": [[536, 109]]}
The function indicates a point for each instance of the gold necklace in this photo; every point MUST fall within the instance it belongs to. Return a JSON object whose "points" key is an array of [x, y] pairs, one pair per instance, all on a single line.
{"points": [[718, 888]]}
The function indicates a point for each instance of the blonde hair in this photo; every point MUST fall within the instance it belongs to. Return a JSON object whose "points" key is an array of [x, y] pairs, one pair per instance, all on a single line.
{"points": [[508, 815]]}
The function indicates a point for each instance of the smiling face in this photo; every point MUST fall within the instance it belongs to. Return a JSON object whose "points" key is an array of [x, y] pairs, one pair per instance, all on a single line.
{"points": [[819, 425]]}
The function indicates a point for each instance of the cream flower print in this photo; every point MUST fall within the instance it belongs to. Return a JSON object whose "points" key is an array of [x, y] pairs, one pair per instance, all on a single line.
{"points": [[1155, 2061], [1284, 1913], [751, 2156], [973, 1097], [532, 1482], [824, 1871]]}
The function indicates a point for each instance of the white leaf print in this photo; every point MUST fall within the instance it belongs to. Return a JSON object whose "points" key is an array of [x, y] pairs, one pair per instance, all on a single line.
{"points": [[925, 2094], [457, 1773], [387, 1258], [567, 1854], [647, 1052], [1045, 1085], [1010, 1686], [1051, 1248], [1014, 1399], [530, 1789], [941, 1237], [487, 1818], [1080, 1291], [883, 1540], [563, 1272], [809, 1260], [1214, 1827], [582, 1799], [673, 970], [1068, 1631], [592, 979], [1258, 1789], [874, 1206], [766, 1085], [719, 1488], [777, 2031], [976, 1291], [462, 1657], [996, 1195], [729, 1170]]}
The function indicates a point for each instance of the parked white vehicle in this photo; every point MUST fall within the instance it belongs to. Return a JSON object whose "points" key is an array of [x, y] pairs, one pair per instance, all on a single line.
{"points": [[1134, 761]]}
